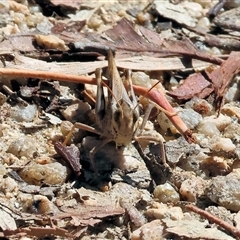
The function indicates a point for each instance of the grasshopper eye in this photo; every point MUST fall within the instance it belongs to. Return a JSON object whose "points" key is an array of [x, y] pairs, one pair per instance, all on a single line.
{"points": [[117, 116], [135, 116]]}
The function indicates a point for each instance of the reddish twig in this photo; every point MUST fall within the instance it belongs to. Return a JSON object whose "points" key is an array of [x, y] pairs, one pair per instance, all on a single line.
{"points": [[233, 230]]}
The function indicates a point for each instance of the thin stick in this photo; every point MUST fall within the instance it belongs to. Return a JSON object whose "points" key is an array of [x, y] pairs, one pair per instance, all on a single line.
{"points": [[233, 230], [47, 75]]}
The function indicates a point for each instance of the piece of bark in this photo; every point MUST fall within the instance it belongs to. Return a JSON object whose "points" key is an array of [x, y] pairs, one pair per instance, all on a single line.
{"points": [[221, 77], [229, 19], [217, 81], [126, 38], [186, 48], [71, 155], [135, 216], [224, 42], [38, 232], [88, 212], [192, 86]]}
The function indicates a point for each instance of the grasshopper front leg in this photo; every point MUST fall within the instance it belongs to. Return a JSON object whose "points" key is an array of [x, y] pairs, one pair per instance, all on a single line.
{"points": [[100, 110]]}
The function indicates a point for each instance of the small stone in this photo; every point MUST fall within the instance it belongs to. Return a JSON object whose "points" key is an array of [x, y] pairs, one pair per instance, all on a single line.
{"points": [[165, 193], [50, 42], [232, 93], [141, 79], [204, 23], [150, 231], [199, 105], [162, 211], [231, 110], [21, 113], [208, 129], [3, 170], [165, 123], [224, 144], [24, 146], [232, 131], [3, 98], [77, 111], [66, 127], [18, 7], [221, 122], [37, 174], [224, 190], [214, 166], [190, 117], [193, 188], [194, 9], [221, 213], [232, 4], [8, 185], [95, 22]]}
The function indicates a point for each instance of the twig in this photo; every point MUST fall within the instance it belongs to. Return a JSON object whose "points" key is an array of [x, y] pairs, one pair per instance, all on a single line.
{"points": [[233, 230], [216, 8]]}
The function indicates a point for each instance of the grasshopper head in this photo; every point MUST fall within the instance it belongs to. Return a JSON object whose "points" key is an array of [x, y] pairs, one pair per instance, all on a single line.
{"points": [[125, 122]]}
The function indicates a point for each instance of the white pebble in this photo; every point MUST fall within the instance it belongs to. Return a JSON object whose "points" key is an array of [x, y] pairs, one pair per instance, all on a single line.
{"points": [[162, 211], [220, 143], [208, 129], [204, 23], [232, 93], [21, 113], [220, 122], [23, 147], [194, 9]]}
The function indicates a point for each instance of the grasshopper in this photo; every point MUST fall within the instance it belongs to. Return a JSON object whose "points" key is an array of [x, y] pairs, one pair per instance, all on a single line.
{"points": [[117, 116]]}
